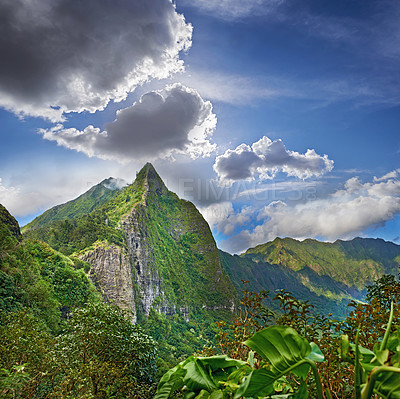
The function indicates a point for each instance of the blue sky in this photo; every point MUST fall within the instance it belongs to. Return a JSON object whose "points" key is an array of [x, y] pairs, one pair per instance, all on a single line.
{"points": [[275, 117]]}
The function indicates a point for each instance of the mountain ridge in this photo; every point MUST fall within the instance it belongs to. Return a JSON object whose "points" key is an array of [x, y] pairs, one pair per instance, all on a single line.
{"points": [[354, 263], [158, 249], [85, 203]]}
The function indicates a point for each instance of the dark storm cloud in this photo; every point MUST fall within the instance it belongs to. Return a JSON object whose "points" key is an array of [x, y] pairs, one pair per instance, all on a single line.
{"points": [[162, 124], [73, 55]]}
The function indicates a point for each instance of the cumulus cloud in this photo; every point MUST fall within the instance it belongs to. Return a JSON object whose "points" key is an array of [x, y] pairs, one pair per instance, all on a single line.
{"points": [[161, 124], [82, 54], [223, 218], [265, 158], [344, 214], [233, 9]]}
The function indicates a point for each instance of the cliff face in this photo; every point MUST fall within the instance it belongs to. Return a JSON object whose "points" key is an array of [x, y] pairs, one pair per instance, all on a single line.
{"points": [[170, 260], [111, 273]]}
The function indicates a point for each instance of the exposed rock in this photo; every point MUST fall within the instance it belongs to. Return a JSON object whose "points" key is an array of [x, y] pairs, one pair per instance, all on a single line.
{"points": [[111, 272]]}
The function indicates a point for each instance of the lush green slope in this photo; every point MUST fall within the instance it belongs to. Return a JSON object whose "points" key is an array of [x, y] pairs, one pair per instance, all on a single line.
{"points": [[84, 204], [9, 224], [182, 245], [327, 295], [354, 263], [35, 277]]}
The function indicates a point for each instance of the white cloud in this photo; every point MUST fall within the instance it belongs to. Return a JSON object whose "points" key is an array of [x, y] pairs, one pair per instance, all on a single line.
{"points": [[233, 9], [175, 120], [265, 158], [344, 214], [224, 219], [27, 200], [236, 89], [73, 55], [390, 175]]}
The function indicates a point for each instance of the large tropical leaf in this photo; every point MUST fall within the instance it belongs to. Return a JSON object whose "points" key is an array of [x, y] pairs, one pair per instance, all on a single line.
{"points": [[199, 375], [285, 351]]}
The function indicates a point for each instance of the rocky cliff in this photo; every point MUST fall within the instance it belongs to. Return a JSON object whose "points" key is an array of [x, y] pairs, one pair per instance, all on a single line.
{"points": [[147, 249]]}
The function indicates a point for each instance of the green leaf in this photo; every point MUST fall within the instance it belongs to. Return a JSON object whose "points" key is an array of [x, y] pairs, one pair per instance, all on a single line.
{"points": [[344, 348], [366, 354], [198, 374], [220, 362], [171, 381], [385, 381], [316, 355], [286, 352], [203, 395], [258, 383], [283, 348], [251, 360], [217, 395]]}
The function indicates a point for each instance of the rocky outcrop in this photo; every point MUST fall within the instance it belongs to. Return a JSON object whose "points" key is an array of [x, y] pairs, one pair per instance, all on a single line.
{"points": [[145, 274], [111, 273]]}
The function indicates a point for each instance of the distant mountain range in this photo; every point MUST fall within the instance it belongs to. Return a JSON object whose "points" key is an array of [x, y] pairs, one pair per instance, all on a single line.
{"points": [[148, 248]]}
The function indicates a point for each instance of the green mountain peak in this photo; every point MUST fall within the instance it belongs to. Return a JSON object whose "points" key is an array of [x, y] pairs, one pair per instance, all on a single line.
{"points": [[87, 202], [151, 180]]}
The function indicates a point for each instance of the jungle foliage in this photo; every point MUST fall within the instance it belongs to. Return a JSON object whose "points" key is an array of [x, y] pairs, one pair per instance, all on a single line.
{"points": [[297, 353]]}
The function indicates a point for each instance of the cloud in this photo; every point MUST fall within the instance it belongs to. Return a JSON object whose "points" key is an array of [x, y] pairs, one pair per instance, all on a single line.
{"points": [[265, 158], [27, 200], [390, 175], [233, 9], [344, 214], [236, 89], [175, 120], [224, 219], [73, 55]]}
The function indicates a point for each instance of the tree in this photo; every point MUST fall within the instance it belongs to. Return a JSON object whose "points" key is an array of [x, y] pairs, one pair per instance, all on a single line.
{"points": [[386, 290], [103, 354]]}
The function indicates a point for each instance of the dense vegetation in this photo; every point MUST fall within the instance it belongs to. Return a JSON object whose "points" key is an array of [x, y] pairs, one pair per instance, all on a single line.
{"points": [[297, 353], [57, 339], [262, 276]]}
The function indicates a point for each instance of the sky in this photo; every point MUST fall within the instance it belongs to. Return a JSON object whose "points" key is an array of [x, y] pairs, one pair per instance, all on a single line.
{"points": [[277, 118]]}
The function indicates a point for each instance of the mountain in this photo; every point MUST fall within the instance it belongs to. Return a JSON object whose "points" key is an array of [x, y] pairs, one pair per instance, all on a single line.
{"points": [[326, 294], [147, 249], [326, 274], [91, 200], [354, 263]]}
